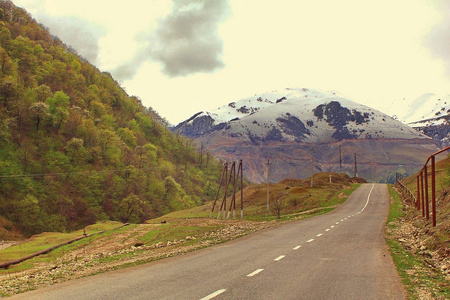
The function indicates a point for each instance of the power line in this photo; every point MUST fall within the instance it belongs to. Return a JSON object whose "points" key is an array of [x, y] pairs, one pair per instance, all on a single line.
{"points": [[62, 173]]}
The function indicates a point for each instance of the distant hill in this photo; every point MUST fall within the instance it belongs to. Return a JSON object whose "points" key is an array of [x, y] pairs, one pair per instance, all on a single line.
{"points": [[432, 117], [428, 114], [285, 125], [75, 148]]}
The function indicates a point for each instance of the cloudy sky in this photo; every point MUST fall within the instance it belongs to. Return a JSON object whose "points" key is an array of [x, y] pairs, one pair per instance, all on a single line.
{"points": [[181, 57]]}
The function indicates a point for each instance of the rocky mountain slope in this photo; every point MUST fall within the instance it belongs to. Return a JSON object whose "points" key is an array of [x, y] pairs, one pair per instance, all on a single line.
{"points": [[432, 117], [291, 126], [296, 115]]}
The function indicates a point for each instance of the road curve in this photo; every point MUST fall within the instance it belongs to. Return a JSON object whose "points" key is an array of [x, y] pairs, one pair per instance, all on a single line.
{"points": [[339, 255]]}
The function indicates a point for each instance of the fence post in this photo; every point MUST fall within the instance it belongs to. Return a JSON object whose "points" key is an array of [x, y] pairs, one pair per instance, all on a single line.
{"points": [[418, 193], [433, 189], [421, 192], [427, 204]]}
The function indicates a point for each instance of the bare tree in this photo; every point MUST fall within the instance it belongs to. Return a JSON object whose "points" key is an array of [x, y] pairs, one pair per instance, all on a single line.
{"points": [[277, 203]]}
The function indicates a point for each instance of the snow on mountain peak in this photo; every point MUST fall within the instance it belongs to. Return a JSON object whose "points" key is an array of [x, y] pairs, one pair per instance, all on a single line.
{"points": [[296, 114]]}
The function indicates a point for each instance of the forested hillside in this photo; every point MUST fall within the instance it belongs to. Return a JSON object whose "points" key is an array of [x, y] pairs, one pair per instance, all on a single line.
{"points": [[75, 148]]}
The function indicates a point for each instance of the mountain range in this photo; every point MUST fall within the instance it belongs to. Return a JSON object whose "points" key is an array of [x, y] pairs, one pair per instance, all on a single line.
{"points": [[294, 126], [430, 114]]}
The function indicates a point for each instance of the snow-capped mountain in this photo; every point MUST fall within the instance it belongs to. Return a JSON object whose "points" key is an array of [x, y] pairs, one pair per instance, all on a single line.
{"points": [[426, 107], [301, 115], [290, 126], [430, 114]]}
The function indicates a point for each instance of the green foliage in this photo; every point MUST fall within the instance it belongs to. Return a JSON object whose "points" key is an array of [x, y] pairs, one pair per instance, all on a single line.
{"points": [[130, 208], [75, 148]]}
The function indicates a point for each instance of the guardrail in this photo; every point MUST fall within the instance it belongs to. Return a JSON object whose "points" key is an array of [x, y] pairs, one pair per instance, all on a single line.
{"points": [[405, 191], [422, 201]]}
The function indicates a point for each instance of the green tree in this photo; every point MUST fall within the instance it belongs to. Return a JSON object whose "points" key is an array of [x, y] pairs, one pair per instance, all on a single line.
{"points": [[109, 144], [43, 92], [58, 108], [60, 114], [75, 151], [8, 89], [131, 208], [29, 215], [127, 137], [147, 157], [39, 111], [5, 35], [175, 195], [7, 66]]}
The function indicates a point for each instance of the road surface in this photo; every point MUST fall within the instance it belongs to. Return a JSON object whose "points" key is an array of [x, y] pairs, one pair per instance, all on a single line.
{"points": [[339, 255]]}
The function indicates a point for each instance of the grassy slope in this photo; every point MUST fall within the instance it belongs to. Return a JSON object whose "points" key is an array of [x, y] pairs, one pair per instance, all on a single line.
{"points": [[421, 251], [191, 229]]}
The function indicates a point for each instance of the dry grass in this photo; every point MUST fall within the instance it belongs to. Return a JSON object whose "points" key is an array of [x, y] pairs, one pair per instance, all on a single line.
{"points": [[421, 251]]}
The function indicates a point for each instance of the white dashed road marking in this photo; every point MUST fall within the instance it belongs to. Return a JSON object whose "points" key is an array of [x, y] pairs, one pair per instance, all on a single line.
{"points": [[216, 293], [255, 272]]}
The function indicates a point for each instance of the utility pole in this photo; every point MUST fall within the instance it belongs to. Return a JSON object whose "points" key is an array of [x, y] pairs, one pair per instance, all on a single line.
{"points": [[340, 159], [201, 154], [225, 168], [268, 167], [373, 178], [356, 168], [240, 171]]}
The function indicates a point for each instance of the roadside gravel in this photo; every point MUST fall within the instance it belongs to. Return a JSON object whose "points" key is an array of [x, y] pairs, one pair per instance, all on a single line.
{"points": [[106, 254]]}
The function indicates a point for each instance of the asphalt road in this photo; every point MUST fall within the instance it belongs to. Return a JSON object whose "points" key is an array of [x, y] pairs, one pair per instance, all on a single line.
{"points": [[340, 255]]}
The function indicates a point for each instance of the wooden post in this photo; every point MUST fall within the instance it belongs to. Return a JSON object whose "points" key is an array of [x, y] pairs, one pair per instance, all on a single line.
{"points": [[373, 178], [340, 159], [224, 200], [233, 197], [201, 155], [218, 190]]}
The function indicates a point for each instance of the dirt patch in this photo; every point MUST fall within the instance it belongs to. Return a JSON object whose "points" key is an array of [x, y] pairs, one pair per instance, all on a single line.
{"points": [[7, 244], [342, 195]]}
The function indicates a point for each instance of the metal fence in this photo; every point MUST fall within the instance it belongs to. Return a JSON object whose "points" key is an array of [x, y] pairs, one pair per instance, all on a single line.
{"points": [[422, 201], [406, 193]]}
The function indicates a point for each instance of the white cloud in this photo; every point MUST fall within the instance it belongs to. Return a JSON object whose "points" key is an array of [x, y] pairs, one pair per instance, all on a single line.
{"points": [[375, 52]]}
